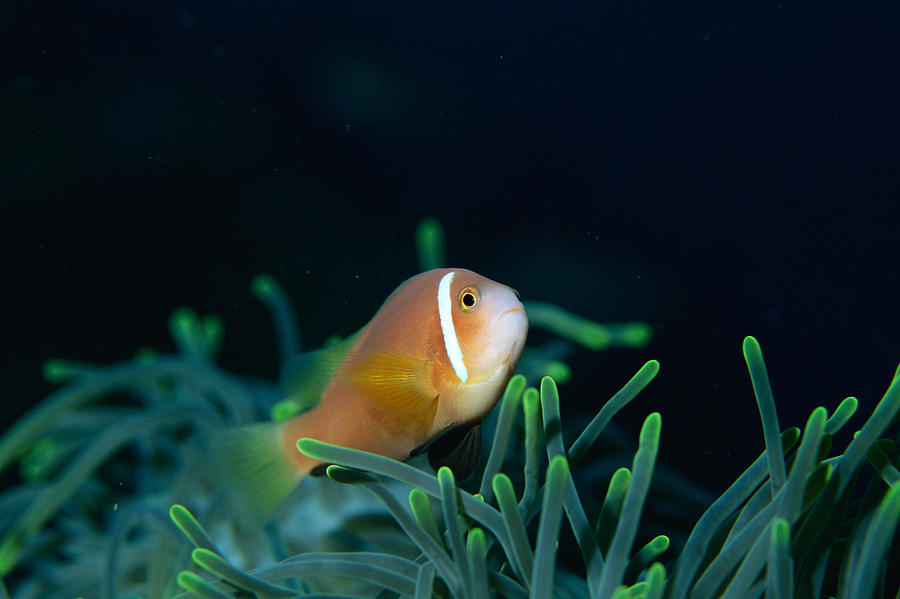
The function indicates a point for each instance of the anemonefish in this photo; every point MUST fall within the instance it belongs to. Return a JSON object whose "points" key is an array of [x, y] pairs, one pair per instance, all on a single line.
{"points": [[418, 377]]}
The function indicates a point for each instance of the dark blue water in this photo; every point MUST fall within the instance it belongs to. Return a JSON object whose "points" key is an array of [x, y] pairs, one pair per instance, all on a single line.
{"points": [[714, 170]]}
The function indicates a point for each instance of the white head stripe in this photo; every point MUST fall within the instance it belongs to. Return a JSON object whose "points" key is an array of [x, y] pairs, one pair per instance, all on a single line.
{"points": [[451, 343]]}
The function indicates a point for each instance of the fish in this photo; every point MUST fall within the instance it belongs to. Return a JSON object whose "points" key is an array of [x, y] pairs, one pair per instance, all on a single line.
{"points": [[417, 378]]}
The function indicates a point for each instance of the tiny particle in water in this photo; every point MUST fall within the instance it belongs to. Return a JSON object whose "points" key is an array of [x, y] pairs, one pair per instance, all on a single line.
{"points": [[186, 19], [219, 51], [347, 127]]}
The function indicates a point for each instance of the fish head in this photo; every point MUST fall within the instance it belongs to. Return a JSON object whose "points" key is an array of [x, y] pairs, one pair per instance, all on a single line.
{"points": [[485, 341]]}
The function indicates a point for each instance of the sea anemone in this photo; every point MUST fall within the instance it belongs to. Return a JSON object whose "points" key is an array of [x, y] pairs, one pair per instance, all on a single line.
{"points": [[114, 501]]}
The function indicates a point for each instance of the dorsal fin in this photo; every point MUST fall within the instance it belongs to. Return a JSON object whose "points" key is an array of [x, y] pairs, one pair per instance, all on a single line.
{"points": [[397, 384], [305, 376]]}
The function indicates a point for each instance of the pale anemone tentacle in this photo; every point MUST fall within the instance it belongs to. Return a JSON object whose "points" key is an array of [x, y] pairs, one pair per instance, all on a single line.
{"points": [[451, 343]]}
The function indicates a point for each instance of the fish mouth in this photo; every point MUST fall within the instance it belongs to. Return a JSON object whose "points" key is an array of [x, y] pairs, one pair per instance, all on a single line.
{"points": [[513, 309]]}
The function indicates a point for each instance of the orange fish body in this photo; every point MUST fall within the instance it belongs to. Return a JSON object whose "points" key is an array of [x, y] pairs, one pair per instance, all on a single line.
{"points": [[435, 357], [396, 389]]}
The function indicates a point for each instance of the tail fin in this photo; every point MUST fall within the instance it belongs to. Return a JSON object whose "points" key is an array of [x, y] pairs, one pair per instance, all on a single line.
{"points": [[249, 463]]}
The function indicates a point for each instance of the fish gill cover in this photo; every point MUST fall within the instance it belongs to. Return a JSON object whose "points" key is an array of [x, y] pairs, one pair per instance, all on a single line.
{"points": [[114, 501]]}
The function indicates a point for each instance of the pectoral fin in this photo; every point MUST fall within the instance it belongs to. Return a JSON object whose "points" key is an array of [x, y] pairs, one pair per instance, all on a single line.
{"points": [[397, 384]]}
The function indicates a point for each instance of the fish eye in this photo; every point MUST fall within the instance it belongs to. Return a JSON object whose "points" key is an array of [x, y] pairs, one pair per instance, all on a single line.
{"points": [[468, 298]]}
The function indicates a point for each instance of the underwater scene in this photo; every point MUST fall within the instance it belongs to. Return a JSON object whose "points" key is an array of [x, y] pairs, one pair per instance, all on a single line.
{"points": [[411, 299]]}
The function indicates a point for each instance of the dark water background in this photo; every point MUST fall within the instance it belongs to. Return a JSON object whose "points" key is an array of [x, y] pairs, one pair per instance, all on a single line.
{"points": [[716, 169]]}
